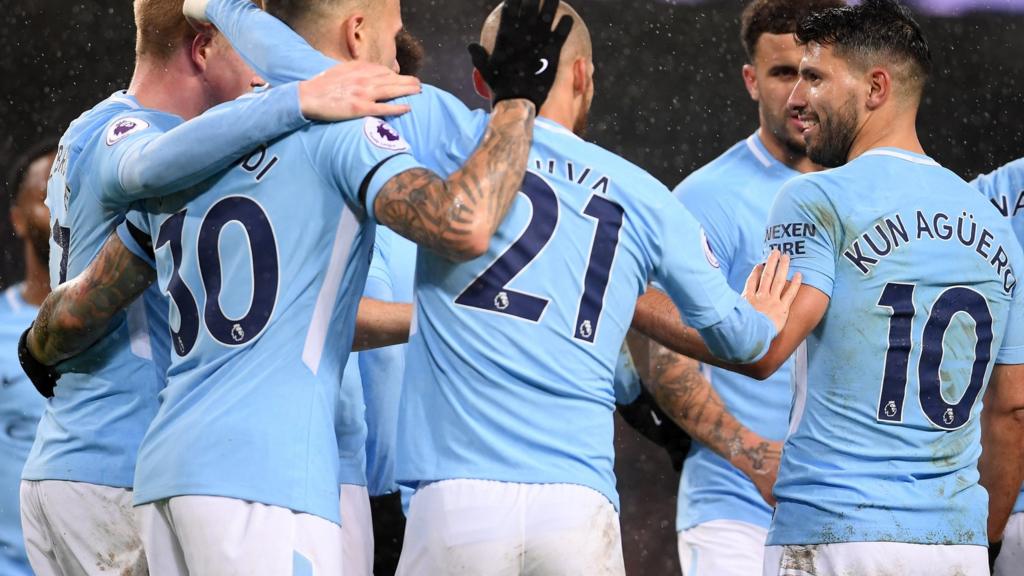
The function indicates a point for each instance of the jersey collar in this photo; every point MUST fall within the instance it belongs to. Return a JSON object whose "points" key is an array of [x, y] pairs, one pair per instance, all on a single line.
{"points": [[15, 299], [757, 148], [122, 97], [552, 126], [902, 155]]}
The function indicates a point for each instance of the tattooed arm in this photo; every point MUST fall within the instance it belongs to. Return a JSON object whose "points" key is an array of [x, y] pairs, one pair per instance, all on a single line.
{"points": [[457, 217], [687, 397], [76, 314]]}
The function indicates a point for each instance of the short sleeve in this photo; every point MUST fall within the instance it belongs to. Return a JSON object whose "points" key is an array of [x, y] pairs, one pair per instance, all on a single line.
{"points": [[801, 224], [134, 234], [436, 120], [687, 271], [720, 228], [363, 155], [1011, 351]]}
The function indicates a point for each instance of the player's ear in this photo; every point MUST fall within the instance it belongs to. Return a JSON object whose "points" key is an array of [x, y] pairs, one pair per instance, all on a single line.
{"points": [[481, 87], [201, 46], [750, 81], [356, 35], [879, 88], [580, 77]]}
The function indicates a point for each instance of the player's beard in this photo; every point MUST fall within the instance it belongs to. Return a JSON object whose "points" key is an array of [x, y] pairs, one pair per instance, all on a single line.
{"points": [[836, 132], [579, 127]]}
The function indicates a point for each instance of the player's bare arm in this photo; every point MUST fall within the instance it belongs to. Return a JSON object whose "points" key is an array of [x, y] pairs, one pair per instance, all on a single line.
{"points": [[76, 314], [1002, 454], [380, 323], [457, 217], [688, 398], [794, 308]]}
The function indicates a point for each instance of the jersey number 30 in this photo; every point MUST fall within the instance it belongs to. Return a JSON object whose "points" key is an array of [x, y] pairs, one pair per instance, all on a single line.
{"points": [[899, 298], [490, 291], [262, 246]]}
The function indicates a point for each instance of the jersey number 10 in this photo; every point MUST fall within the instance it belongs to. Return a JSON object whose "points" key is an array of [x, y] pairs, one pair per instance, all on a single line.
{"points": [[489, 291], [899, 298]]}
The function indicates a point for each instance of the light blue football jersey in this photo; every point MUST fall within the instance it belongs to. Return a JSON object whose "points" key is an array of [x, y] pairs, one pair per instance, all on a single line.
{"points": [[731, 197], [112, 155], [390, 279], [1005, 188], [106, 396], [521, 390], [264, 265], [20, 409], [884, 435], [350, 425]]}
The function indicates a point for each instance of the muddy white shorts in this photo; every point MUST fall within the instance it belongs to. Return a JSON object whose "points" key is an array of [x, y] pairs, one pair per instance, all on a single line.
{"points": [[872, 558], [722, 548], [488, 528], [356, 531], [214, 536], [1011, 558], [80, 529]]}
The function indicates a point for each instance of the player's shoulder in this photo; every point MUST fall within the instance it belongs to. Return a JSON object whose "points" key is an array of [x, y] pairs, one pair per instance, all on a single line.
{"points": [[371, 130], [1001, 183], [725, 173]]}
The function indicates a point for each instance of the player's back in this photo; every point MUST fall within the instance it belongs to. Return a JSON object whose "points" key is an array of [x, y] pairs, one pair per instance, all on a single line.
{"points": [[20, 409], [264, 265], [106, 396], [884, 436], [509, 370]]}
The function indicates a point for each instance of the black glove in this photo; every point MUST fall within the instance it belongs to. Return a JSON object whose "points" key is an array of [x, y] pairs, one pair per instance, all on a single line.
{"points": [[43, 377], [993, 553], [644, 416], [525, 58]]}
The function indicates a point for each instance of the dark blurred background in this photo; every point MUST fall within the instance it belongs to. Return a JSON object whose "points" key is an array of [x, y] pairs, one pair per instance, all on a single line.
{"points": [[669, 98]]}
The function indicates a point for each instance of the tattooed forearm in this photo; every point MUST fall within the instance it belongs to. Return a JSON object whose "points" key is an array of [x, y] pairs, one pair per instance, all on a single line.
{"points": [[689, 399], [77, 313], [456, 218]]}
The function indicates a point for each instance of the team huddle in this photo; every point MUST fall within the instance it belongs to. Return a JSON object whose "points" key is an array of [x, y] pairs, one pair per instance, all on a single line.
{"points": [[300, 297]]}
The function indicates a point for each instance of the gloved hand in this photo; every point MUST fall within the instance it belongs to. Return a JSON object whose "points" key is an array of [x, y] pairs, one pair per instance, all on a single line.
{"points": [[43, 377], [524, 62], [644, 416]]}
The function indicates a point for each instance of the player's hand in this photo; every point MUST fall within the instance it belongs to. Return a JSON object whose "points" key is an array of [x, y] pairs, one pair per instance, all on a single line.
{"points": [[763, 466], [767, 289], [524, 62], [43, 377], [353, 90]]}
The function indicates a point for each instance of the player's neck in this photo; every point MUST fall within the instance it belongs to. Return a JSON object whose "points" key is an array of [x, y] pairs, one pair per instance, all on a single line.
{"points": [[37, 278], [170, 85], [559, 111], [887, 132], [794, 160]]}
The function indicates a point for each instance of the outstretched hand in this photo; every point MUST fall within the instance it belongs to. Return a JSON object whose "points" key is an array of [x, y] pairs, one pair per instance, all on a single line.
{"points": [[767, 290], [524, 61], [355, 89]]}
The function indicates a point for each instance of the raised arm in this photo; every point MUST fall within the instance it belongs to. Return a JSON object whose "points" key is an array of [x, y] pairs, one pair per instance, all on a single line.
{"points": [[688, 398], [457, 217], [157, 163]]}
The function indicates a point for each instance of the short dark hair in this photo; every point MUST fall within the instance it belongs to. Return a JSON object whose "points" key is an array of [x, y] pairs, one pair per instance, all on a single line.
{"points": [[16, 176], [870, 32], [776, 17]]}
